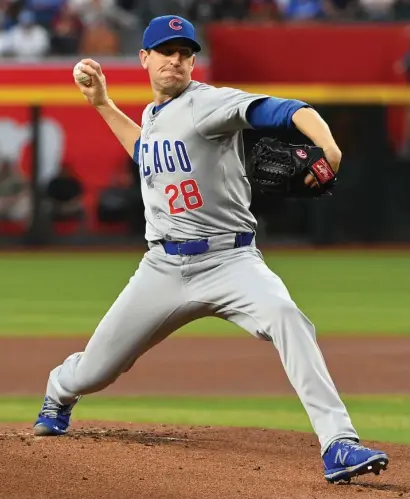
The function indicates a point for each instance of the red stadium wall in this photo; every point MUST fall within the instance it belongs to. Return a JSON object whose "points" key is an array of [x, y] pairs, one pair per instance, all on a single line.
{"points": [[75, 134], [306, 53]]}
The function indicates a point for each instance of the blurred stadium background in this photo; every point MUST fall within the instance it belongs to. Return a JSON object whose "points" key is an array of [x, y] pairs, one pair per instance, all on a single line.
{"points": [[66, 184], [64, 179]]}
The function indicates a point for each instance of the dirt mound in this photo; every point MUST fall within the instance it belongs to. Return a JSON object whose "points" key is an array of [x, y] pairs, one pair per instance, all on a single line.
{"points": [[97, 460], [110, 460]]}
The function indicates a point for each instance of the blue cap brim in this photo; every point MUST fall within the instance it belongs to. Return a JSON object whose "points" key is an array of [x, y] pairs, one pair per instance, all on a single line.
{"points": [[193, 43]]}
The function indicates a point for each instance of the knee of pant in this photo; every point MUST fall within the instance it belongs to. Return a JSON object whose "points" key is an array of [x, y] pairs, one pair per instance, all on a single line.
{"points": [[292, 315], [289, 319], [284, 309]]}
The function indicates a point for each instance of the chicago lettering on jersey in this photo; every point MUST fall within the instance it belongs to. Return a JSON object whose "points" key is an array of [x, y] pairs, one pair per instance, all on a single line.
{"points": [[164, 156]]}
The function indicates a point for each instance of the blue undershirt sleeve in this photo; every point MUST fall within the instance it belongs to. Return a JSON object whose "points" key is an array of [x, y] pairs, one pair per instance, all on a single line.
{"points": [[273, 112]]}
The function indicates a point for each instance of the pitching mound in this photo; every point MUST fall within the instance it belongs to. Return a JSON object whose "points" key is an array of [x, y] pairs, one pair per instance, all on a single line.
{"points": [[167, 462]]}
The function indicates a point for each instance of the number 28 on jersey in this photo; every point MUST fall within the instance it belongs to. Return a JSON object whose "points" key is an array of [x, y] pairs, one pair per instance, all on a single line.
{"points": [[163, 162]]}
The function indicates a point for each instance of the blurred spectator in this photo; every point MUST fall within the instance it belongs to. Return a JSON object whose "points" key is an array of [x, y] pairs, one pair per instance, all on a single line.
{"points": [[66, 30], [377, 10], [401, 10], [25, 40], [44, 10], [202, 11], [15, 200], [9, 10], [121, 202], [105, 23], [128, 5], [64, 196], [110, 27], [149, 9], [264, 10], [234, 10], [301, 10], [102, 12], [341, 10], [99, 39]]}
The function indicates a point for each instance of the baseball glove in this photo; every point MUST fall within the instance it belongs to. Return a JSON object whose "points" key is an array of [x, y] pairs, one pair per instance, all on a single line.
{"points": [[277, 168]]}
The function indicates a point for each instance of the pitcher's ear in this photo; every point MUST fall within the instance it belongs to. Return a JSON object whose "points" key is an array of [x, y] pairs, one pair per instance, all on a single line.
{"points": [[193, 62], [143, 58]]}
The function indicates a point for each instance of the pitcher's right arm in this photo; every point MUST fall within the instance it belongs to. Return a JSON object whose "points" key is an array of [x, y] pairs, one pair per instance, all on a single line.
{"points": [[123, 127], [126, 130]]}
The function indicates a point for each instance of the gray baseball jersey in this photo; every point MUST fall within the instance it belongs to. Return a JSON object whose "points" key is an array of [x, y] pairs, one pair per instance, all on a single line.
{"points": [[191, 162], [191, 158]]}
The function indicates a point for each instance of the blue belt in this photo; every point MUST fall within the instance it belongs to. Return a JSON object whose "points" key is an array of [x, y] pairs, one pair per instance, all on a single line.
{"points": [[198, 246]]}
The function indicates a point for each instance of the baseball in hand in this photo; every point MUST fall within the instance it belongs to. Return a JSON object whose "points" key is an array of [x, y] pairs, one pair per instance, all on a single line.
{"points": [[81, 77]]}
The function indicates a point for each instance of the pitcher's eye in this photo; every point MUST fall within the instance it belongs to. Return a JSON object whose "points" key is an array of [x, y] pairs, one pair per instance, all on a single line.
{"points": [[185, 52]]}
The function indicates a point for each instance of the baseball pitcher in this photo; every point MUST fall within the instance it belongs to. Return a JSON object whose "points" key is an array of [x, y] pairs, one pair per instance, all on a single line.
{"points": [[202, 258]]}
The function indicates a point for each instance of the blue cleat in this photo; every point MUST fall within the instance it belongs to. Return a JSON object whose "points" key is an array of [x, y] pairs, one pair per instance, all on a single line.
{"points": [[345, 459], [53, 419]]}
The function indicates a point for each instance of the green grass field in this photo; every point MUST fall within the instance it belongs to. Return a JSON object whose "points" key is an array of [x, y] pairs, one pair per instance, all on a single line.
{"points": [[342, 292], [375, 417]]}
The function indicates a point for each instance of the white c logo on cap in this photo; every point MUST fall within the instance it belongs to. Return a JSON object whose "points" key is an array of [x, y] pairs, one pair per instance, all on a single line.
{"points": [[175, 24]]}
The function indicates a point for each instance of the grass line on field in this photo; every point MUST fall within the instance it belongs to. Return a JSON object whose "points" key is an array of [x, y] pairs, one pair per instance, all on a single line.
{"points": [[378, 418], [341, 292]]}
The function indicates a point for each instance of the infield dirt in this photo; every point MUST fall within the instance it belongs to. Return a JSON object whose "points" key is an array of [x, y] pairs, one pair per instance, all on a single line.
{"points": [[147, 461]]}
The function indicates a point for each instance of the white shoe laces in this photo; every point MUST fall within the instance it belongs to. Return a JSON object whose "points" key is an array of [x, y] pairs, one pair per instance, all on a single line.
{"points": [[352, 444], [50, 409]]}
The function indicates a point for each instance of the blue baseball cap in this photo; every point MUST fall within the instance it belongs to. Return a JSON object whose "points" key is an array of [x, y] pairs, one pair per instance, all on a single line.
{"points": [[164, 28]]}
